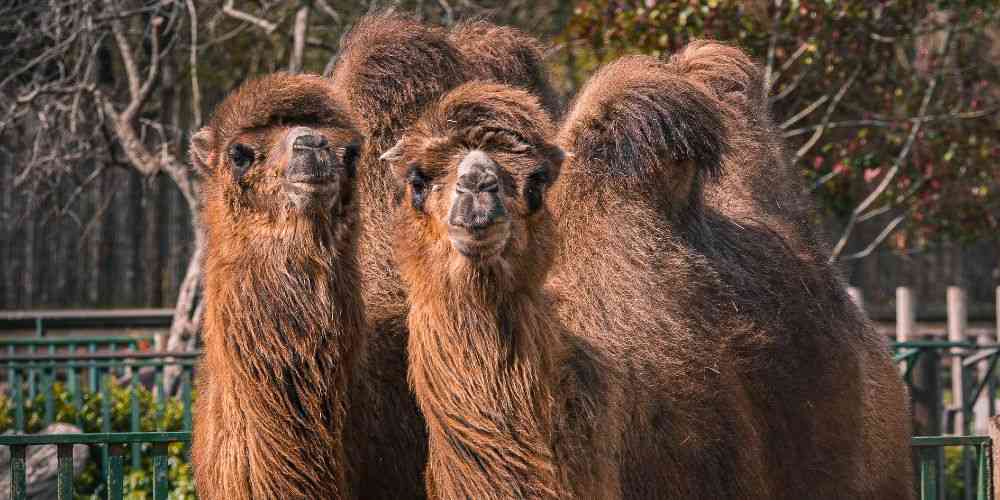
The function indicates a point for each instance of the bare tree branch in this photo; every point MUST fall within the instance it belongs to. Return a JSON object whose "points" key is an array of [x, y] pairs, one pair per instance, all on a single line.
{"points": [[771, 46], [966, 115], [886, 231], [195, 87], [263, 24], [299, 34], [826, 117], [125, 52], [897, 164]]}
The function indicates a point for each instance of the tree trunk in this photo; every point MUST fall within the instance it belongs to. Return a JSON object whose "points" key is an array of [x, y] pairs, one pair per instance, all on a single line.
{"points": [[186, 324]]}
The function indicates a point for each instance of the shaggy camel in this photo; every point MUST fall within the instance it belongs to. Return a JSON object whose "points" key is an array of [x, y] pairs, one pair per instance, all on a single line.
{"points": [[390, 69], [762, 188], [488, 362], [283, 316], [705, 358], [754, 376]]}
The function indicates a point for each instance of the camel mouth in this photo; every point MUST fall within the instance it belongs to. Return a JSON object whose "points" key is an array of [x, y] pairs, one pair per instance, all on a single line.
{"points": [[313, 192], [479, 244]]}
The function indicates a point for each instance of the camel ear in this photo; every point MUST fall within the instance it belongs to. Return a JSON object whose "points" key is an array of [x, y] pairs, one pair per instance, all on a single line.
{"points": [[201, 149], [393, 154]]}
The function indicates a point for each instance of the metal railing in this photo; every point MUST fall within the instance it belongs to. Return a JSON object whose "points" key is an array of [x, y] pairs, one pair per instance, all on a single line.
{"points": [[974, 376], [33, 377], [51, 345], [929, 455], [43, 320], [113, 445]]}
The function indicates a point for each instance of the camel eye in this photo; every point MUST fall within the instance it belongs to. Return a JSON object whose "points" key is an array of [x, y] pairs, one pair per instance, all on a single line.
{"points": [[419, 185], [534, 187], [242, 157]]}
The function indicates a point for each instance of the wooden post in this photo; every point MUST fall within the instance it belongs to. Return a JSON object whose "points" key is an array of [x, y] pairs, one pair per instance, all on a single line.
{"points": [[957, 321], [995, 446], [906, 314], [925, 390], [981, 407], [857, 297]]}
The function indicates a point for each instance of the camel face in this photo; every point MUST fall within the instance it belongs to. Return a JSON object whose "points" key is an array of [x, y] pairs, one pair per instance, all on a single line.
{"points": [[287, 171], [264, 161], [474, 172]]}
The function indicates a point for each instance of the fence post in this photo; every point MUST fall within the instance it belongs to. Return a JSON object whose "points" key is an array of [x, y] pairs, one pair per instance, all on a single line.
{"points": [[925, 394], [995, 452], [906, 311], [857, 296], [956, 333]]}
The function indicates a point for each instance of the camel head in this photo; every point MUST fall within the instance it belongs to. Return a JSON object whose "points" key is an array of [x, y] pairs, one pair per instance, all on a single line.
{"points": [[279, 153], [472, 175]]}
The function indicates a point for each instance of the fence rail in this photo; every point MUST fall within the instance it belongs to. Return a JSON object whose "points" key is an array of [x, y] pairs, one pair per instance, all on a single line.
{"points": [[929, 456], [42, 320], [113, 445]]}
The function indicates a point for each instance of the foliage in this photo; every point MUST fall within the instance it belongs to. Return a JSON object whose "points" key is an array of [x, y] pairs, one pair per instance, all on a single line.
{"points": [[154, 416], [888, 58]]}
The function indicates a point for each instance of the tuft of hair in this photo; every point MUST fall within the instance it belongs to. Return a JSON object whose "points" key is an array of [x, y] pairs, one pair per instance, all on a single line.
{"points": [[506, 55], [478, 109], [279, 97], [390, 67], [727, 71], [635, 117]]}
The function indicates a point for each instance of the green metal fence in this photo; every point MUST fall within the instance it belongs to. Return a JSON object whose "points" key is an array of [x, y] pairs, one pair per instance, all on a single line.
{"points": [[928, 450], [113, 445], [32, 376], [52, 345]]}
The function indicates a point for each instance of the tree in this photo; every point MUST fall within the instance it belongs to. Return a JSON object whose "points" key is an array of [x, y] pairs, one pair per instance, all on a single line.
{"points": [[98, 85], [891, 108]]}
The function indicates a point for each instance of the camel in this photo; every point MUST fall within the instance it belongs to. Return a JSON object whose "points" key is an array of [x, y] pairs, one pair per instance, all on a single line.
{"points": [[760, 378], [489, 363], [283, 316], [390, 68], [691, 355]]}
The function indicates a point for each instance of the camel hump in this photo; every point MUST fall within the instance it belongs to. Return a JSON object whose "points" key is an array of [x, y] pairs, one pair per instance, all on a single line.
{"points": [[391, 66], [506, 55], [637, 117], [727, 71]]}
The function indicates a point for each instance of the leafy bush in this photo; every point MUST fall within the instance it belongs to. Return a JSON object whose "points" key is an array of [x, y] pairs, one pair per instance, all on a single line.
{"points": [[154, 415]]}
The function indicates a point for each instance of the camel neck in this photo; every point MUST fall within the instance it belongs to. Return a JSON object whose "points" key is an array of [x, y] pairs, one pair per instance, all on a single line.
{"points": [[290, 316], [482, 371]]}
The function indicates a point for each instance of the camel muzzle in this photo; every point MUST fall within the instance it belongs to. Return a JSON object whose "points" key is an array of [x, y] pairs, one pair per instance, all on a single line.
{"points": [[477, 219], [313, 175]]}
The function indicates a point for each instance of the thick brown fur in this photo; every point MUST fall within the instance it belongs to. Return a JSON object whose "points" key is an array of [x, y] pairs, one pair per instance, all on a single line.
{"points": [[283, 316], [760, 183], [390, 68], [507, 394], [750, 373], [507, 55], [762, 188]]}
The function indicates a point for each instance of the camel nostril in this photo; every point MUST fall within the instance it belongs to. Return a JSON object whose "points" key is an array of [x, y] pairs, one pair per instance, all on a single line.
{"points": [[310, 141], [477, 182], [476, 212]]}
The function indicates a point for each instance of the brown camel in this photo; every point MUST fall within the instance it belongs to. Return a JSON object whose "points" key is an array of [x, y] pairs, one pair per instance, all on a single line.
{"points": [[391, 67], [705, 357], [283, 316], [756, 375], [762, 188], [489, 364]]}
